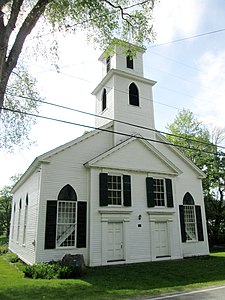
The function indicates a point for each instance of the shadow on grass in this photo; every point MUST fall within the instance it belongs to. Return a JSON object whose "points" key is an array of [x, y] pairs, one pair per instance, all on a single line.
{"points": [[125, 281]]}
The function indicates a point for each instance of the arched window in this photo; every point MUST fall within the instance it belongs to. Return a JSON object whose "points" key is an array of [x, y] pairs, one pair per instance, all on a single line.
{"points": [[133, 95], [104, 100], [130, 61], [190, 220], [13, 221], [19, 217], [188, 199], [108, 64], [25, 220], [67, 193], [189, 217], [66, 220], [66, 217]]}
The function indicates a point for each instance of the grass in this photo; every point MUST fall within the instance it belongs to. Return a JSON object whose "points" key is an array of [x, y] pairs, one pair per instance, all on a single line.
{"points": [[116, 282]]}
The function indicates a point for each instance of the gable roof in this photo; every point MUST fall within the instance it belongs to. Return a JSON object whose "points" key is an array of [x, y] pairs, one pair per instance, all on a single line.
{"points": [[181, 155], [154, 163], [43, 158]]}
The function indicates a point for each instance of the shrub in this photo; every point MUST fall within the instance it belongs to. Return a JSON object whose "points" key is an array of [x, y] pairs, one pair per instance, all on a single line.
{"points": [[42, 271], [12, 257], [3, 249], [51, 270]]}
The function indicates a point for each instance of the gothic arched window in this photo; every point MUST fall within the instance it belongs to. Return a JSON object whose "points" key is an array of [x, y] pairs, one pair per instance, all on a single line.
{"points": [[104, 100], [133, 95], [190, 220]]}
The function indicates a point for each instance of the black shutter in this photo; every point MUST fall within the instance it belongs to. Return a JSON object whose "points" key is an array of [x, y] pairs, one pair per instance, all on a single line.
{"points": [[50, 229], [169, 192], [150, 192], [182, 224], [199, 222], [126, 190], [103, 189], [81, 224]]}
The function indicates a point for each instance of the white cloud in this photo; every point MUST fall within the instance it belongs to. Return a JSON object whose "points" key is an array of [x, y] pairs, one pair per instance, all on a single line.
{"points": [[210, 100], [177, 18]]}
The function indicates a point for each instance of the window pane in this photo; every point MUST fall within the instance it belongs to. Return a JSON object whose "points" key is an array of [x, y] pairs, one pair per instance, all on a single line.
{"points": [[159, 194], [66, 223], [190, 225], [114, 190]]}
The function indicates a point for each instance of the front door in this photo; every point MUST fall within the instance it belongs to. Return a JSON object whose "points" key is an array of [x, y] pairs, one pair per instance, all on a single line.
{"points": [[161, 239], [115, 241]]}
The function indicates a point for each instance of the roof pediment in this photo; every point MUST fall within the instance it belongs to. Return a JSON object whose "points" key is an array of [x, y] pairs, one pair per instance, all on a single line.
{"points": [[135, 154]]}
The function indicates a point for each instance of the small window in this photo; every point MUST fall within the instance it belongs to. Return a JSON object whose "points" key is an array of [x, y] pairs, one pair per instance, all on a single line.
{"points": [[114, 190], [104, 100], [130, 62], [108, 64], [133, 95]]}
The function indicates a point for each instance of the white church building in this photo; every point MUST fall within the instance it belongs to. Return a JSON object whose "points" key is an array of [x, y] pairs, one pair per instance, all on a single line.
{"points": [[118, 194]]}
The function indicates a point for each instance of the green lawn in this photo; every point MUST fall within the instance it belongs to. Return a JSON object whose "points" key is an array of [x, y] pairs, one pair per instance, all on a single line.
{"points": [[116, 282]]}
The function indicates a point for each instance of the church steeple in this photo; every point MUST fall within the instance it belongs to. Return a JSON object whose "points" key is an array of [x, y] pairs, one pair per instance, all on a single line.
{"points": [[124, 94]]}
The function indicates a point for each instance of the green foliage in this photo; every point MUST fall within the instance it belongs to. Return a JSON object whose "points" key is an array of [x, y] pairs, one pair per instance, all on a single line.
{"points": [[191, 137], [101, 20], [21, 99], [5, 209], [52, 270], [194, 139], [12, 257], [3, 249]]}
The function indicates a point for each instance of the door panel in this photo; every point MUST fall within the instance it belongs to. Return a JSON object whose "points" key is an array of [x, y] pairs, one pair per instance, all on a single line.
{"points": [[115, 241], [161, 239]]}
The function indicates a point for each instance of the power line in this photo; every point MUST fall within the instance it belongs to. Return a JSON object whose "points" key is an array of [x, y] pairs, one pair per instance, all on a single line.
{"points": [[187, 38], [116, 120], [117, 132]]}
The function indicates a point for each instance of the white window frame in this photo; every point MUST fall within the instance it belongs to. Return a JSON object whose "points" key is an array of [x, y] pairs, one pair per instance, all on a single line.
{"points": [[191, 235], [116, 191], [158, 192], [67, 227]]}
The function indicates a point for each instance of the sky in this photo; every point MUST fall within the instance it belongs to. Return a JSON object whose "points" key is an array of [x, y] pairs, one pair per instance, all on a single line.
{"points": [[187, 60]]}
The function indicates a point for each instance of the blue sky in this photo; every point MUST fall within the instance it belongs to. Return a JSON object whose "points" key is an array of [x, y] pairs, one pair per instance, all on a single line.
{"points": [[190, 74]]}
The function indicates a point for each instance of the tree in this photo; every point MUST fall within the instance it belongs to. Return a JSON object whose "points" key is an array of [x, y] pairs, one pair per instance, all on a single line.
{"points": [[102, 19], [5, 210], [215, 198], [198, 144], [191, 136], [6, 206]]}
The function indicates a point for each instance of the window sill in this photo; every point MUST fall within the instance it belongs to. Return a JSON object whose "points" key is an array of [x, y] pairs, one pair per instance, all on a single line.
{"points": [[161, 211], [115, 210]]}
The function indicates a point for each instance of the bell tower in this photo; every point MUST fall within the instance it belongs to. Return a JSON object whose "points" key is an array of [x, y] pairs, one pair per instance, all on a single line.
{"points": [[123, 94]]}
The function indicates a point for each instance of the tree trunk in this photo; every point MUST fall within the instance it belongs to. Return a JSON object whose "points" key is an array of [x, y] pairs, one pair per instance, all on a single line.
{"points": [[8, 63]]}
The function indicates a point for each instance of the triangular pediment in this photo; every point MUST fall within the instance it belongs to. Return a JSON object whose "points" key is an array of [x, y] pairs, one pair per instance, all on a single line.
{"points": [[136, 155]]}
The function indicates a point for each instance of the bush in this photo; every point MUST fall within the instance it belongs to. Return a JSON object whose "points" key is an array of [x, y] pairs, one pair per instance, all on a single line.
{"points": [[12, 257], [51, 270], [3, 249]]}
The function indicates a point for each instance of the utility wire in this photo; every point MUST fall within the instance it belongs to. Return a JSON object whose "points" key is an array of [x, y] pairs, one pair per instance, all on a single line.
{"points": [[187, 38], [117, 132], [116, 120]]}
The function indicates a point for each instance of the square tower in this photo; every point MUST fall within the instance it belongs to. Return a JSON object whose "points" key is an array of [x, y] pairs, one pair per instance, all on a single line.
{"points": [[124, 95]]}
